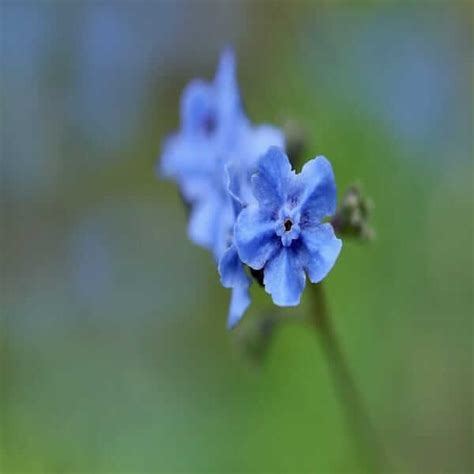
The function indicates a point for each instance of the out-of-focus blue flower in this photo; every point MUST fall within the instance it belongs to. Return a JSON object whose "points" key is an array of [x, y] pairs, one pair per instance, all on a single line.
{"points": [[282, 230], [214, 134], [212, 158]]}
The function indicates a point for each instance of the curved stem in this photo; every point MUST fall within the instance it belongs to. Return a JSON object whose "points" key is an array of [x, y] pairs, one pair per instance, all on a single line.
{"points": [[355, 410]]}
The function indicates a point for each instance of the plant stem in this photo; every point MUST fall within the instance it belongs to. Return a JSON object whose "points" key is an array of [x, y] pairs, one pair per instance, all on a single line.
{"points": [[354, 407]]}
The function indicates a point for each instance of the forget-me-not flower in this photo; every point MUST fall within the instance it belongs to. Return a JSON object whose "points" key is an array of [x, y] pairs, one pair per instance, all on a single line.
{"points": [[216, 136], [214, 133], [282, 231]]}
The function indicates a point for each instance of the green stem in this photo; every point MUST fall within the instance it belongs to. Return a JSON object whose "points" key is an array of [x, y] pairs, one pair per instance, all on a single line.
{"points": [[354, 407]]}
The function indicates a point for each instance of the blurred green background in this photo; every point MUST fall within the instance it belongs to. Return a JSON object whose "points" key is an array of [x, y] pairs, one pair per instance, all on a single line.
{"points": [[114, 353]]}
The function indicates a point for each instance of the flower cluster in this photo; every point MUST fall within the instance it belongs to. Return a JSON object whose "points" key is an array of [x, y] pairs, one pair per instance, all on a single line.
{"points": [[247, 206]]}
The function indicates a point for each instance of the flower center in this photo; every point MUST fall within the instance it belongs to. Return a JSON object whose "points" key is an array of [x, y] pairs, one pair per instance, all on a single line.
{"points": [[287, 228], [209, 124]]}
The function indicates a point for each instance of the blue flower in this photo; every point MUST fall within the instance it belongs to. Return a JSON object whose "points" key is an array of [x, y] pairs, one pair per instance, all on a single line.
{"points": [[215, 136], [210, 113], [282, 231], [214, 133]]}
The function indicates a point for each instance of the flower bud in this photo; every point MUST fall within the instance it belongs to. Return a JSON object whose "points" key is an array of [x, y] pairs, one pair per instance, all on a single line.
{"points": [[352, 217]]}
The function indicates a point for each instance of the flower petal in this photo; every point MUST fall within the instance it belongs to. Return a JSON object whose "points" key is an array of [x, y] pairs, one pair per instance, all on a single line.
{"points": [[234, 186], [270, 182], [199, 108], [226, 74], [210, 223], [239, 302], [251, 143], [319, 251], [284, 278], [231, 269], [228, 96], [193, 171], [262, 137], [318, 190], [255, 237]]}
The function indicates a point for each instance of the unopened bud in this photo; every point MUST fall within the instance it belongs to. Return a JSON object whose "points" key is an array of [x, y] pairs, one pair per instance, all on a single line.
{"points": [[352, 217]]}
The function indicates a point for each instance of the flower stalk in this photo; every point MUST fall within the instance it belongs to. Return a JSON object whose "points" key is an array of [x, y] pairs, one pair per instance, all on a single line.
{"points": [[354, 407]]}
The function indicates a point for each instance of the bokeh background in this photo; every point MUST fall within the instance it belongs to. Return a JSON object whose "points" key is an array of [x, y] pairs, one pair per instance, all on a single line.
{"points": [[114, 353]]}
